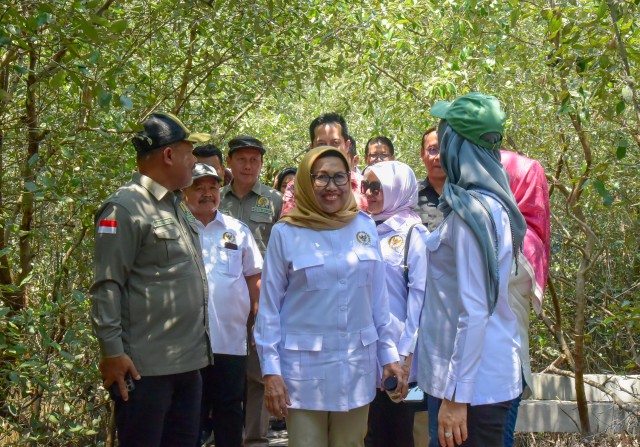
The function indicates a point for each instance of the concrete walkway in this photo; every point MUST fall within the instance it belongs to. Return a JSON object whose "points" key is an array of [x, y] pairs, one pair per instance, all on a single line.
{"points": [[279, 438]]}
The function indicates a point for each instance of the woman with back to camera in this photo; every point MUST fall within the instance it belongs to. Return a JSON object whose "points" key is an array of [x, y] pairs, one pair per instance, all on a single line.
{"points": [[391, 190], [469, 342], [323, 321]]}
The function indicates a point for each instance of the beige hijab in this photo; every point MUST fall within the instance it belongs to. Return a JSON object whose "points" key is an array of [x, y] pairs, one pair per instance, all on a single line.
{"points": [[307, 213]]}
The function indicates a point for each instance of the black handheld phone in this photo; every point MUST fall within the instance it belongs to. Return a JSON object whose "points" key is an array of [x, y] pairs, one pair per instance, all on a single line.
{"points": [[114, 389], [230, 246]]}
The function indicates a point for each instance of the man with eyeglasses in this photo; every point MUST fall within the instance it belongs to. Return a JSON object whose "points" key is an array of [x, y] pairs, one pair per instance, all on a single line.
{"points": [[329, 129], [378, 149], [430, 189], [233, 264]]}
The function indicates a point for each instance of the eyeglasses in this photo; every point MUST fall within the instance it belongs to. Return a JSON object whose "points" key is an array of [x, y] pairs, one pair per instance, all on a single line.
{"points": [[433, 150], [374, 187], [382, 157], [322, 180]]}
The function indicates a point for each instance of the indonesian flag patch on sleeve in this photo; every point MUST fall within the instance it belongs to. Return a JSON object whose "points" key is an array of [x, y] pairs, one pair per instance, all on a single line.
{"points": [[107, 226]]}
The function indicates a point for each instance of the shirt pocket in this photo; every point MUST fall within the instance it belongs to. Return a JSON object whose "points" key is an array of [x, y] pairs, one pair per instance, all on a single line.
{"points": [[367, 255], [367, 356], [303, 357], [312, 266], [262, 222], [172, 248], [229, 262]]}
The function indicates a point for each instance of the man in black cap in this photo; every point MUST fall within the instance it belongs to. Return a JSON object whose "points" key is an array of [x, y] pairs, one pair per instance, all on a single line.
{"points": [[259, 207], [149, 294]]}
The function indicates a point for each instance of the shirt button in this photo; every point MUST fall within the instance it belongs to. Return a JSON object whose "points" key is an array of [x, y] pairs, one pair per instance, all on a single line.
{"points": [[343, 281], [343, 335], [343, 308]]}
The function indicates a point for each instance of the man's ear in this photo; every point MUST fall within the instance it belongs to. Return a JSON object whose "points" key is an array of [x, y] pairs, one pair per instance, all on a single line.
{"points": [[354, 162], [167, 155]]}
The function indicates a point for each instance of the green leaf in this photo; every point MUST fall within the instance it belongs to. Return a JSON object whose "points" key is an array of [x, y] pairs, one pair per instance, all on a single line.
{"points": [[607, 198], [126, 102], [78, 296], [20, 69], [119, 26], [104, 99], [554, 25], [30, 275], [90, 31], [546, 14], [94, 57], [58, 79], [43, 18], [621, 151], [620, 107], [43, 7], [30, 186], [34, 159]]}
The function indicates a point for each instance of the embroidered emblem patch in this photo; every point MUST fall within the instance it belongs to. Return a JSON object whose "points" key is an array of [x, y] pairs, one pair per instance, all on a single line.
{"points": [[363, 237], [396, 242], [263, 205], [228, 237]]}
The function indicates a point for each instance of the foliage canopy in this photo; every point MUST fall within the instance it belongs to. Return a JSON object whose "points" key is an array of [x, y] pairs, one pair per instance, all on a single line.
{"points": [[77, 76]]}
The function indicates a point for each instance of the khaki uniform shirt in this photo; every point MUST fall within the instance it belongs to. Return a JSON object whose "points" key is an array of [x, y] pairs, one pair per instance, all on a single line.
{"points": [[149, 295], [259, 210]]}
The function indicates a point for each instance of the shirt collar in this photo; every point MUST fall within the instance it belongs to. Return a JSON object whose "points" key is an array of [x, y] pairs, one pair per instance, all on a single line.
{"points": [[217, 218], [256, 189], [394, 223], [155, 189]]}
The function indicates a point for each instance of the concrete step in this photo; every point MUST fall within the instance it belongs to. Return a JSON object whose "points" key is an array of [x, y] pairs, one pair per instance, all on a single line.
{"points": [[555, 387], [562, 416]]}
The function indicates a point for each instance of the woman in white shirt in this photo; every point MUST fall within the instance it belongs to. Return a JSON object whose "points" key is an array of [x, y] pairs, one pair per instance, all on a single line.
{"points": [[391, 190], [323, 321], [469, 343]]}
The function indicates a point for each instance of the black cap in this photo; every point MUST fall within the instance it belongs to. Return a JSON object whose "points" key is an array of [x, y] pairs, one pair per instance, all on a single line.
{"points": [[162, 129], [245, 141]]}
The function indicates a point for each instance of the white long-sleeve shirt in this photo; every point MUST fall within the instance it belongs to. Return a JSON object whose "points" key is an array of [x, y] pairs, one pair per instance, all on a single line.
{"points": [[405, 305], [324, 318], [227, 267], [463, 349]]}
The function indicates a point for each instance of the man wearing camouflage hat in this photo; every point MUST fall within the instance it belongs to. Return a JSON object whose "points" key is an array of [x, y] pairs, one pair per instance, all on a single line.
{"points": [[234, 265]]}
